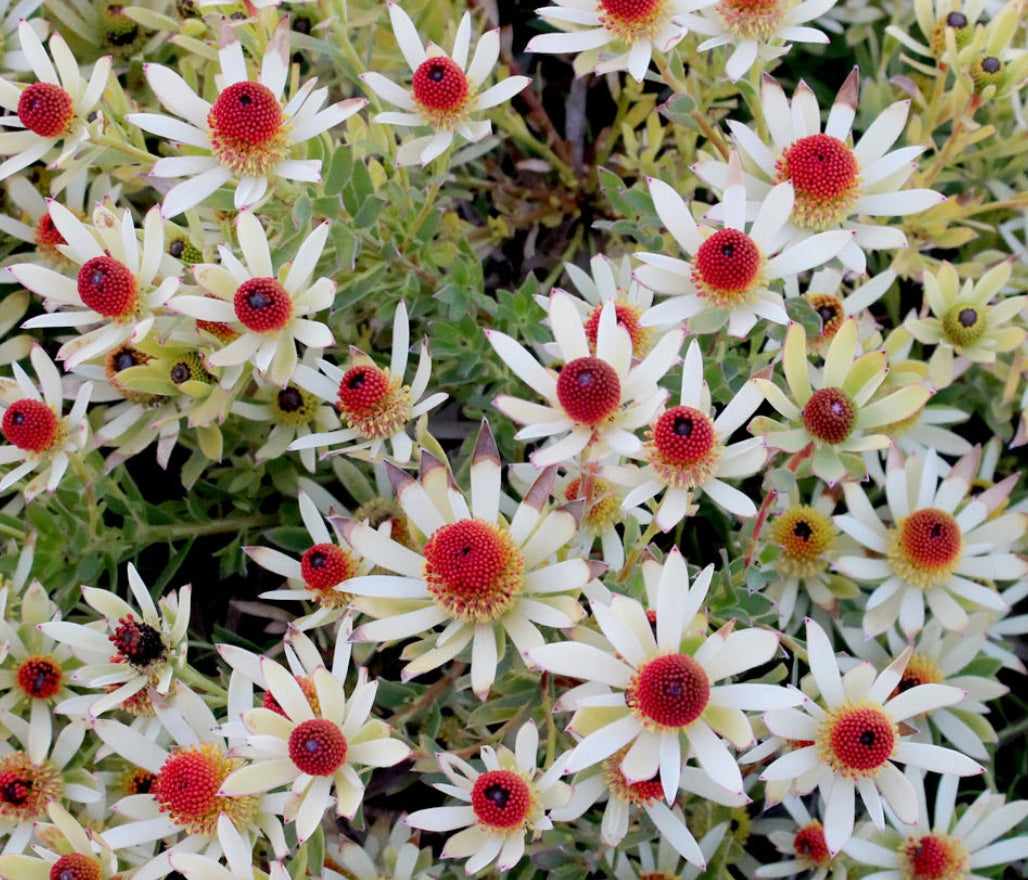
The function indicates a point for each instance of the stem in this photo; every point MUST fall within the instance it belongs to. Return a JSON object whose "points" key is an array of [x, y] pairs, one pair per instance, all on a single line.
{"points": [[129, 150], [633, 558], [765, 507], [198, 680], [154, 534], [431, 693]]}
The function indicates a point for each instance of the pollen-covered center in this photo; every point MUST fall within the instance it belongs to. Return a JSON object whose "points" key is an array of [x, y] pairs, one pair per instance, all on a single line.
{"points": [[441, 89], [501, 799], [27, 789], [46, 109], [669, 691], [317, 747], [326, 565], [292, 406], [137, 643], [589, 390], [474, 570], [933, 857], [631, 20], [263, 305], [641, 793], [925, 547], [809, 845], [804, 534], [40, 677], [187, 788], [628, 317], [30, 425], [246, 130], [830, 415], [856, 739], [108, 287], [752, 19], [963, 324], [921, 669], [75, 866], [373, 404], [832, 313], [727, 268], [824, 174]]}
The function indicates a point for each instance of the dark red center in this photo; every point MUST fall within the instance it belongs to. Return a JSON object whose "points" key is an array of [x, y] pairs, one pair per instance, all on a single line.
{"points": [[589, 390], [75, 866], [671, 690], [683, 435], [40, 677], [830, 415], [440, 85], [263, 305], [46, 109], [30, 425], [728, 261], [107, 287], [317, 747], [326, 565], [501, 799], [246, 112], [137, 642], [362, 388]]}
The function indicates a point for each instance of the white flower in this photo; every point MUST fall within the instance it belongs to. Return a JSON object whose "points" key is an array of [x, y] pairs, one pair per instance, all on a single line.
{"points": [[64, 845], [238, 856], [445, 90], [248, 135], [13, 57], [804, 846], [667, 864]]}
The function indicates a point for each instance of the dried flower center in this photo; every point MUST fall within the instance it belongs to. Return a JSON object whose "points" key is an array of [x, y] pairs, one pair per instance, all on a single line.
{"points": [[632, 20], [46, 109], [372, 403], [856, 739], [627, 317], [108, 287], [501, 799], [669, 691], [921, 669], [963, 324], [804, 534], [292, 406], [317, 747], [641, 793], [589, 390], [263, 305], [125, 357], [602, 506], [30, 425], [925, 547], [933, 857], [440, 86], [727, 268], [325, 566], [137, 643], [824, 174], [753, 19], [309, 691], [246, 131], [139, 781], [27, 789], [187, 788], [830, 415], [809, 845], [40, 677], [75, 866]]}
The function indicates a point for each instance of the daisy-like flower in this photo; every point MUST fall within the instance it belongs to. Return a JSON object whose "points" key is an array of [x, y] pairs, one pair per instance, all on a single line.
{"points": [[655, 692], [67, 850], [314, 742], [666, 863], [503, 804], [41, 437], [267, 311], [128, 650], [836, 414], [951, 845], [763, 30], [803, 845], [53, 110], [730, 272], [238, 857], [832, 181], [375, 404], [612, 35], [848, 745], [687, 454], [485, 579], [931, 544], [446, 91], [387, 851], [599, 397], [944, 25], [119, 285], [247, 135]]}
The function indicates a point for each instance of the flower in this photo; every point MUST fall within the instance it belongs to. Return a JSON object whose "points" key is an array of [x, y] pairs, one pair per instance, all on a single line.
{"points": [[238, 855], [41, 437], [666, 865], [266, 310], [374, 403], [502, 804], [632, 29], [12, 57], [53, 110], [836, 415], [485, 579], [657, 692], [444, 91], [386, 852], [247, 135], [599, 397], [931, 544], [731, 271], [832, 181], [848, 745], [804, 847], [65, 845]]}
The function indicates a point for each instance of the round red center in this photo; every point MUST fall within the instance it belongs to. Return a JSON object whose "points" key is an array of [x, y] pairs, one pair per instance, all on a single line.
{"points": [[683, 435], [326, 565], [830, 415], [40, 677], [362, 388], [263, 305], [75, 866], [809, 844], [247, 112], [440, 85], [317, 747], [727, 262], [933, 857], [30, 425], [672, 690], [861, 739], [589, 390], [187, 786], [47, 235], [820, 167], [501, 799], [137, 642], [46, 109], [631, 11], [627, 317], [931, 539], [107, 287]]}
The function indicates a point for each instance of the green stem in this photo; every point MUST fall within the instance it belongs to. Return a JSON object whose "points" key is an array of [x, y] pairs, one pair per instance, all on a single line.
{"points": [[174, 531], [129, 150], [200, 681]]}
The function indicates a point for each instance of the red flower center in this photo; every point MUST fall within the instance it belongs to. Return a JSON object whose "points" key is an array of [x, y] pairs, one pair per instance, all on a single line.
{"points": [[643, 792], [823, 172], [263, 305], [931, 539], [247, 112], [40, 677], [26, 789], [46, 109], [30, 425], [309, 691], [326, 565], [47, 235], [629, 19], [627, 317], [75, 866], [107, 287], [856, 740], [670, 691], [933, 857], [830, 415], [317, 747], [752, 19], [473, 570], [809, 844], [589, 390], [501, 799], [137, 643], [440, 85], [684, 435], [362, 389], [726, 267], [187, 788]]}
